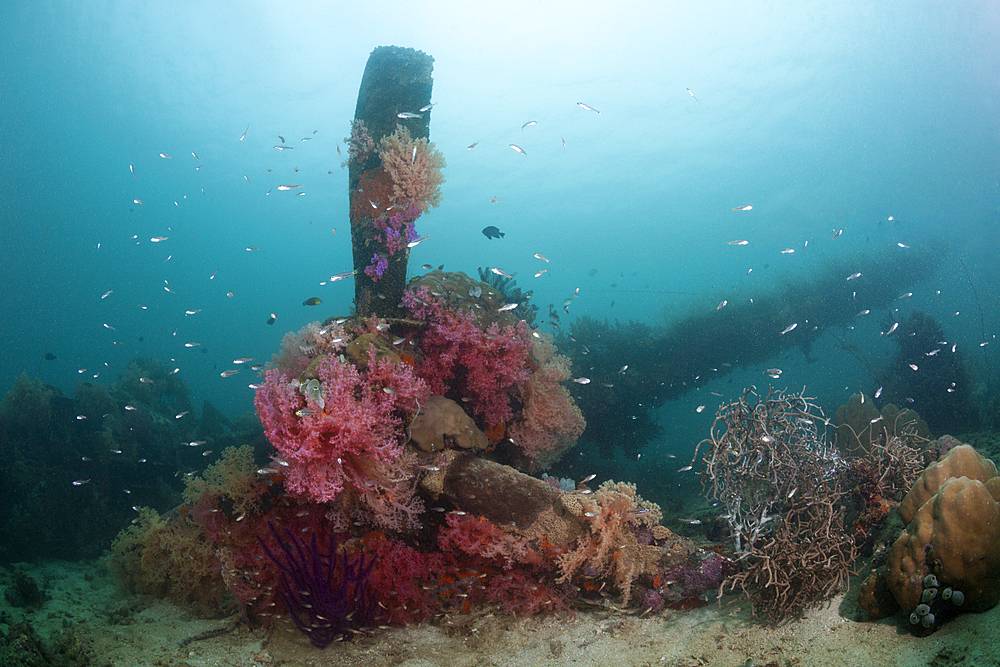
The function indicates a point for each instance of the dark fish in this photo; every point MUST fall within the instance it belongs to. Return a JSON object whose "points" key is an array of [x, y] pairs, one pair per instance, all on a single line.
{"points": [[492, 232], [312, 301], [270, 320], [49, 356]]}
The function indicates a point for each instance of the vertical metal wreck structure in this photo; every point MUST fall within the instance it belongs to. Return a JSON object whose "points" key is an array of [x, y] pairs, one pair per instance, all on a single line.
{"points": [[394, 97]]}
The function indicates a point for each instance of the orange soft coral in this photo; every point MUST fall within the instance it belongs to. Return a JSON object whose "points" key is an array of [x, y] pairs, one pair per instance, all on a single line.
{"points": [[611, 548], [550, 421], [415, 167]]}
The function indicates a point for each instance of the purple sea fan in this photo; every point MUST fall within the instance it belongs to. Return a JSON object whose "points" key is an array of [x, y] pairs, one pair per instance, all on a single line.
{"points": [[328, 596]]}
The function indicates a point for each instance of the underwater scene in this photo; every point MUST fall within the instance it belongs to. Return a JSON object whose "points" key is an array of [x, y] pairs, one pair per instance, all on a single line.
{"points": [[444, 333]]}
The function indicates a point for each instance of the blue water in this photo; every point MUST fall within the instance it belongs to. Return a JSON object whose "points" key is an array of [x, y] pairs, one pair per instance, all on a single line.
{"points": [[822, 116]]}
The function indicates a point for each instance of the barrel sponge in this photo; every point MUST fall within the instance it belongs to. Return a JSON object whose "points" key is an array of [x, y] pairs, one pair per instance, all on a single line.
{"points": [[961, 461], [956, 536]]}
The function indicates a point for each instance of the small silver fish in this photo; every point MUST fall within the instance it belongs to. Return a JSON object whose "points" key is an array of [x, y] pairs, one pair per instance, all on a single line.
{"points": [[895, 325], [685, 468], [789, 328], [471, 146], [581, 380], [744, 208], [501, 273], [854, 275], [588, 108], [230, 373], [693, 522], [529, 124], [407, 115], [509, 306], [304, 412], [518, 149]]}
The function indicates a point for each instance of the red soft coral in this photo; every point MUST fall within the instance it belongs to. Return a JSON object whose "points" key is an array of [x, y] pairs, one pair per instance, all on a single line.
{"points": [[350, 440], [462, 360], [478, 537]]}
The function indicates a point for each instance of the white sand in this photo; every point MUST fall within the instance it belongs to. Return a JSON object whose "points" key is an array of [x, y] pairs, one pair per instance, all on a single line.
{"points": [[126, 632]]}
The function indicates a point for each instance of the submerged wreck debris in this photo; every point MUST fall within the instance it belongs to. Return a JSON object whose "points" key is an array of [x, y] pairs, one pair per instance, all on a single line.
{"points": [[704, 346], [394, 173]]}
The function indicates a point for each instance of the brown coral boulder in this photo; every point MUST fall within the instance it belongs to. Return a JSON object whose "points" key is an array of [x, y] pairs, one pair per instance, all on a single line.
{"points": [[962, 460], [858, 422], [443, 423], [955, 535]]}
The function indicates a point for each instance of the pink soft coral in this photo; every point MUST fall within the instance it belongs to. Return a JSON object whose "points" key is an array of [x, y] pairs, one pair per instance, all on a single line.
{"points": [[350, 440]]}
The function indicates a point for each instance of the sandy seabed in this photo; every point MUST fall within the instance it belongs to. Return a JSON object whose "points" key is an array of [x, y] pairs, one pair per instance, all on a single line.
{"points": [[121, 631]]}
